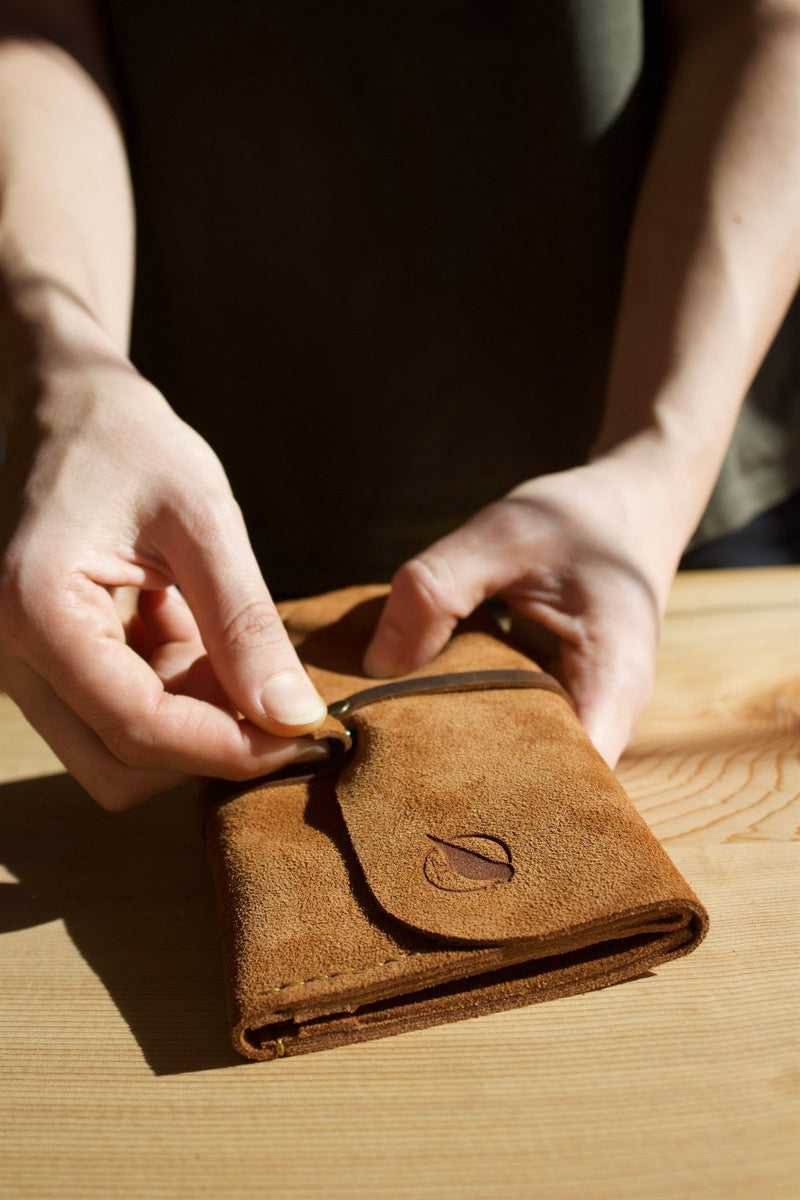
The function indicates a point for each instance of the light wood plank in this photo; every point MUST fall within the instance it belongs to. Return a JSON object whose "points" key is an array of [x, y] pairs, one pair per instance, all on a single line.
{"points": [[116, 1078]]}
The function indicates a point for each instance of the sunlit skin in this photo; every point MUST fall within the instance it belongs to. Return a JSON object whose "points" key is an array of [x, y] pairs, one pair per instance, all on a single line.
{"points": [[106, 487]]}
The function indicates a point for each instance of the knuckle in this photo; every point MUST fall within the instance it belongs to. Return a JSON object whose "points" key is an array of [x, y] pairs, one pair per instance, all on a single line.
{"points": [[205, 459], [199, 506], [196, 465], [431, 579], [509, 520], [254, 626], [131, 743], [117, 795], [208, 517]]}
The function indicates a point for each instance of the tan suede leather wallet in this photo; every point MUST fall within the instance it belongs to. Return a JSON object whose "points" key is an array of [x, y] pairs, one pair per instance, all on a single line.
{"points": [[467, 850]]}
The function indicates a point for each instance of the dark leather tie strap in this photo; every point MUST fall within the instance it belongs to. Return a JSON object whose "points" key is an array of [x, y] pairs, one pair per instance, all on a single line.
{"points": [[457, 681]]}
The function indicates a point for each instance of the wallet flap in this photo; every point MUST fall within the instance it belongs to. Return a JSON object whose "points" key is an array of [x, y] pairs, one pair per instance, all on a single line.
{"points": [[484, 815], [488, 816]]}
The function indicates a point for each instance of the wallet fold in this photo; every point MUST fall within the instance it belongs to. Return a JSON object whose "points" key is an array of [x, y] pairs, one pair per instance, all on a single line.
{"points": [[467, 850]]}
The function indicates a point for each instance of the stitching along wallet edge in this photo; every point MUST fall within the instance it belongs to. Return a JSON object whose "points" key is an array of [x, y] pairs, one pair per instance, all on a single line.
{"points": [[467, 850]]}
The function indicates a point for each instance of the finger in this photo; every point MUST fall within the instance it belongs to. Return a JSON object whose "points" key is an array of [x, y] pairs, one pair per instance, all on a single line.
{"points": [[430, 594], [199, 680], [162, 631], [112, 784], [248, 646], [160, 617], [610, 677], [168, 638], [174, 645], [537, 638], [125, 601], [121, 698], [167, 617]]}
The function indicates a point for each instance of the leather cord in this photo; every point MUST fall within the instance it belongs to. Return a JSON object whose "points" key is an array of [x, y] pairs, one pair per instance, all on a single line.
{"points": [[456, 681]]}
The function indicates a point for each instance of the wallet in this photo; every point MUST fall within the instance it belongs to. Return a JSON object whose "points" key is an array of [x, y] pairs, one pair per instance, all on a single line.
{"points": [[465, 850]]}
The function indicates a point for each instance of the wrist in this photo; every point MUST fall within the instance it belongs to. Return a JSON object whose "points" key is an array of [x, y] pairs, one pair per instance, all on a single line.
{"points": [[48, 335], [668, 478], [676, 442]]}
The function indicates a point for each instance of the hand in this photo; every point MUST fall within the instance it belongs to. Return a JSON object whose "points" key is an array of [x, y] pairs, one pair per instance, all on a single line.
{"points": [[105, 487], [583, 557]]}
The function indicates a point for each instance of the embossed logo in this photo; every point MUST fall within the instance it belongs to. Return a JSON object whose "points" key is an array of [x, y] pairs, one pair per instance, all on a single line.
{"points": [[467, 864]]}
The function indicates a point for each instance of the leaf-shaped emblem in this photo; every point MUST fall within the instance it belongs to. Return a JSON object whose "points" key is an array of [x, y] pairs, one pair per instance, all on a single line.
{"points": [[467, 864]]}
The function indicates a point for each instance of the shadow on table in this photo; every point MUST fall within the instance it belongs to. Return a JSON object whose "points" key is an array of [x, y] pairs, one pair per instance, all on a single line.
{"points": [[134, 892]]}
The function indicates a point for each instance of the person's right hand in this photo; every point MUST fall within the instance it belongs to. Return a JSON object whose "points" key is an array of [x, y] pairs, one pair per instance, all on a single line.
{"points": [[105, 487]]}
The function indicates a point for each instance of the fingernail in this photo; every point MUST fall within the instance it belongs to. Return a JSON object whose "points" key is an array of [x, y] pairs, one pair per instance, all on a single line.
{"points": [[384, 654], [288, 697], [314, 751]]}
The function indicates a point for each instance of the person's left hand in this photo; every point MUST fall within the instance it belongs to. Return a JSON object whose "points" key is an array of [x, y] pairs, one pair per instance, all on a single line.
{"points": [[585, 557]]}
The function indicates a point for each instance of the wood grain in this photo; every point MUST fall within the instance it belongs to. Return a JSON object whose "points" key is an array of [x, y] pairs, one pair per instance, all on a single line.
{"points": [[716, 757], [116, 1078]]}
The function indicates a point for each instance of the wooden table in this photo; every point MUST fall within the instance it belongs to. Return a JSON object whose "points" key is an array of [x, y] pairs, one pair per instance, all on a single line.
{"points": [[117, 1080]]}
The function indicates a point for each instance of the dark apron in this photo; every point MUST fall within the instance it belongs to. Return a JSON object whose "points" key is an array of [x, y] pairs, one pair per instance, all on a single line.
{"points": [[380, 248]]}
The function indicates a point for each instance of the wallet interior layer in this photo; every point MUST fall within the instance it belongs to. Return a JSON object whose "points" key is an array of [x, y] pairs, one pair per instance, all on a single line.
{"points": [[491, 989]]}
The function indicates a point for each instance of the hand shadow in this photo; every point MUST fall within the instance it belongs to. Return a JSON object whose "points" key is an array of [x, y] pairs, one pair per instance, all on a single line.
{"points": [[135, 894]]}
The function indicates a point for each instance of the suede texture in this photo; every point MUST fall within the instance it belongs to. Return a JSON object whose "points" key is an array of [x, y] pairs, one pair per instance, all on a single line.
{"points": [[471, 852]]}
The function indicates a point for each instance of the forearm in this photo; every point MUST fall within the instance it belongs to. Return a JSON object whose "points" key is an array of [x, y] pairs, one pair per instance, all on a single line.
{"points": [[66, 212], [714, 253]]}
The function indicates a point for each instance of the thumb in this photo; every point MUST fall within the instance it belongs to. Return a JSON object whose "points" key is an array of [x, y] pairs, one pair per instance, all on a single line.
{"points": [[429, 595], [243, 634]]}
